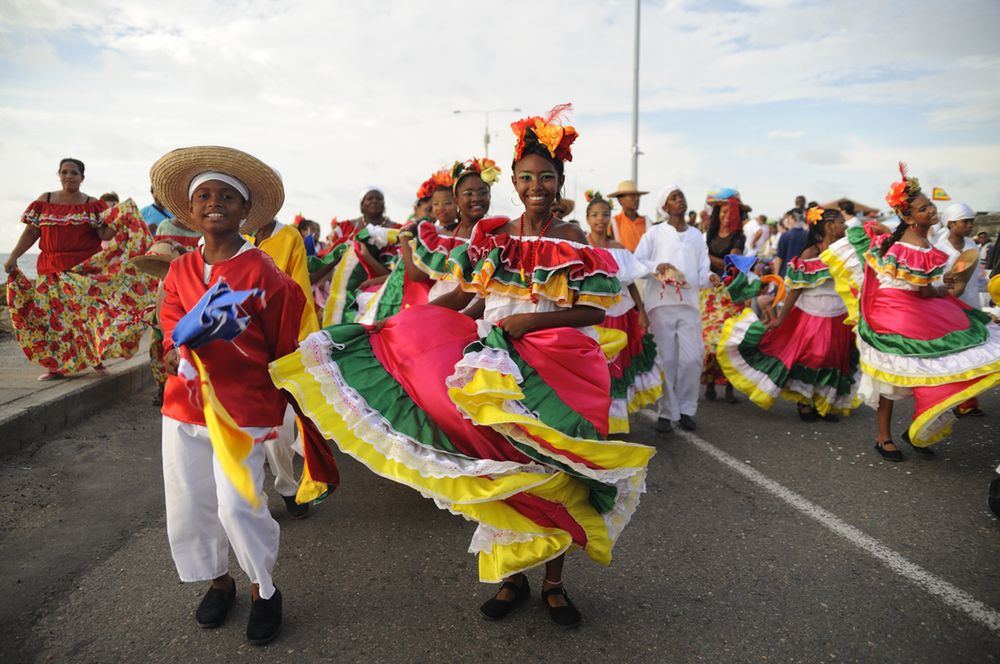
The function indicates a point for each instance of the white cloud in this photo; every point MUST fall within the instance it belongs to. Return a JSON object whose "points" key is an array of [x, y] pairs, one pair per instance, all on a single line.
{"points": [[337, 95]]}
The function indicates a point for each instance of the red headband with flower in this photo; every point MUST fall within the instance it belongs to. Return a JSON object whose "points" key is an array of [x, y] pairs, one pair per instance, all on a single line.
{"points": [[440, 180], [547, 131], [486, 169], [900, 192]]}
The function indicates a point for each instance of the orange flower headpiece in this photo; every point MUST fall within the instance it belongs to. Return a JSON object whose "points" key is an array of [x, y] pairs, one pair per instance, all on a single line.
{"points": [[900, 192], [485, 168], [546, 131], [440, 180], [593, 196], [814, 215]]}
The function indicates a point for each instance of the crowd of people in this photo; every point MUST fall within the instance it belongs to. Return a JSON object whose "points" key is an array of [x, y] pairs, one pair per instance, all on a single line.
{"points": [[481, 360]]}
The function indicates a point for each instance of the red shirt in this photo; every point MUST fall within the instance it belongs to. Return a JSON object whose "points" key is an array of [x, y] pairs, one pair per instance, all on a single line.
{"points": [[238, 369], [68, 233]]}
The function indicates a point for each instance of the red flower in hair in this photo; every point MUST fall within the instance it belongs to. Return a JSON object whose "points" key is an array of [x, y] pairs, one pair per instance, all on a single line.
{"points": [[898, 196]]}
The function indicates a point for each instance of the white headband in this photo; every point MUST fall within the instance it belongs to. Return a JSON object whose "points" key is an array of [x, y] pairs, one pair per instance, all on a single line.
{"points": [[202, 178]]}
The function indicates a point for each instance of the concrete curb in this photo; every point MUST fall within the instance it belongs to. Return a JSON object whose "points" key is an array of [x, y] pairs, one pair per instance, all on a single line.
{"points": [[51, 410]]}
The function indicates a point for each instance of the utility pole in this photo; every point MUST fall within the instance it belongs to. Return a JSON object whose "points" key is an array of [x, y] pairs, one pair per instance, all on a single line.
{"points": [[635, 100]]}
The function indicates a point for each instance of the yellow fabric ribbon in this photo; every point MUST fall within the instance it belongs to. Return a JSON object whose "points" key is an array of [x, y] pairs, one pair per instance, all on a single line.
{"points": [[232, 445]]}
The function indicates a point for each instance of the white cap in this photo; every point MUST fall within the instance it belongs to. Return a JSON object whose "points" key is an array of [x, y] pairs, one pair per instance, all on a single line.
{"points": [[957, 211]]}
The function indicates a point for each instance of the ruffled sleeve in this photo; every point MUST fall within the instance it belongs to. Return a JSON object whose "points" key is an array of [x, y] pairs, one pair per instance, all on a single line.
{"points": [[431, 251], [806, 273], [913, 265], [44, 213], [378, 236], [566, 273], [629, 267]]}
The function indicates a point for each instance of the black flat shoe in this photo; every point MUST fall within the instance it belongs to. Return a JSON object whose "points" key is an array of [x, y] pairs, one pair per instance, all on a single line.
{"points": [[265, 619], [829, 417], [688, 423], [925, 451], [214, 607], [807, 414], [710, 394], [564, 616], [894, 455], [295, 511], [663, 425], [495, 609], [994, 497]]}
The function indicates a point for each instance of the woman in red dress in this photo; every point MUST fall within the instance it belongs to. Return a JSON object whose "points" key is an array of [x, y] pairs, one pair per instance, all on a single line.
{"points": [[87, 303]]}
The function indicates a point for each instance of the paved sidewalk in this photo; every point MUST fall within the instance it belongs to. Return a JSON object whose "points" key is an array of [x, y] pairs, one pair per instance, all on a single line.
{"points": [[30, 409]]}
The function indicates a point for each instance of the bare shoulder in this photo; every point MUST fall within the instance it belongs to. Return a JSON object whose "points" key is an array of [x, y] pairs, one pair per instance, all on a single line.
{"points": [[810, 252], [615, 244], [565, 230], [43, 196]]}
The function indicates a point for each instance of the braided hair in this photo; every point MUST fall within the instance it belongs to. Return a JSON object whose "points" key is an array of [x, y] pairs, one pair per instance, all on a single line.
{"points": [[817, 230]]}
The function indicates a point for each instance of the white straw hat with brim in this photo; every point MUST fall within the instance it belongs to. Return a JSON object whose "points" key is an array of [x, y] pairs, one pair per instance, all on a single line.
{"points": [[172, 174], [626, 187], [156, 261]]}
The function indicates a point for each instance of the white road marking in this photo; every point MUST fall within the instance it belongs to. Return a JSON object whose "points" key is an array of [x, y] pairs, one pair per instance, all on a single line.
{"points": [[951, 595]]}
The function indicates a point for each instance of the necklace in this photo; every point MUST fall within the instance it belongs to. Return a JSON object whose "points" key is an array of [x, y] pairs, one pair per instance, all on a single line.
{"points": [[533, 252]]}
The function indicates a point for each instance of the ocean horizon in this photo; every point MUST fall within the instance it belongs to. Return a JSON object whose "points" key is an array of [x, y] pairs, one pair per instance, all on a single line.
{"points": [[26, 263]]}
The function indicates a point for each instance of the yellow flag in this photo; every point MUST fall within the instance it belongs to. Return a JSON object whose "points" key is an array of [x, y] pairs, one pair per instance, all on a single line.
{"points": [[232, 445], [939, 194]]}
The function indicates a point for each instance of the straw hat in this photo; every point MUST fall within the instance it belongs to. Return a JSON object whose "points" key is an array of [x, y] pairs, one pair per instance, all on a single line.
{"points": [[156, 261], [626, 187], [172, 174]]}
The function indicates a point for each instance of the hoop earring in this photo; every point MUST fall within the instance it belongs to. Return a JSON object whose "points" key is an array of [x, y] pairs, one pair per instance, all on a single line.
{"points": [[514, 200]]}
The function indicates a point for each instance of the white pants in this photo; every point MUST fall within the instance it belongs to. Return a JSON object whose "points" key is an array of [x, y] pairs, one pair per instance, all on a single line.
{"points": [[205, 514], [281, 453], [677, 331]]}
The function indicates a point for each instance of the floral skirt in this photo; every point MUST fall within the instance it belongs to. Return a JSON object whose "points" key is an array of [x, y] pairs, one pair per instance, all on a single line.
{"points": [[716, 308], [72, 320], [506, 433]]}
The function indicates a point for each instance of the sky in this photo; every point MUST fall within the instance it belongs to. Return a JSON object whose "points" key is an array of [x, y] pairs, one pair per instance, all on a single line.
{"points": [[774, 97]]}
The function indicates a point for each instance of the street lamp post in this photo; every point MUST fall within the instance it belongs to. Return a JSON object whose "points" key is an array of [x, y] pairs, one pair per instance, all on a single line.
{"points": [[635, 99], [486, 131]]}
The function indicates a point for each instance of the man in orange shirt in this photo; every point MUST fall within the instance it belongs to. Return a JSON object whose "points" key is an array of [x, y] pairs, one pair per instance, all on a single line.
{"points": [[628, 225]]}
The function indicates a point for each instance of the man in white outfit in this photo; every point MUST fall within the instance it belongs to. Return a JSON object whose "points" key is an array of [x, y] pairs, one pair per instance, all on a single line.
{"points": [[674, 316]]}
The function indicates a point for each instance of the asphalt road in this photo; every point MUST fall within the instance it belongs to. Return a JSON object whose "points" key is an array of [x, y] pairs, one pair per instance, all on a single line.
{"points": [[714, 567]]}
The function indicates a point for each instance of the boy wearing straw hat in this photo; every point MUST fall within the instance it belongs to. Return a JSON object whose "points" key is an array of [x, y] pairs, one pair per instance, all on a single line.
{"points": [[628, 225], [221, 191]]}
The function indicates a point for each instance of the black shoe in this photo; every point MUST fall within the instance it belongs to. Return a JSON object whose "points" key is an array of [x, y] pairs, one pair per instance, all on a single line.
{"points": [[829, 417], [894, 455], [687, 423], [925, 451], [994, 496], [663, 425], [265, 619], [214, 607], [495, 609], [564, 616], [808, 414], [296, 511]]}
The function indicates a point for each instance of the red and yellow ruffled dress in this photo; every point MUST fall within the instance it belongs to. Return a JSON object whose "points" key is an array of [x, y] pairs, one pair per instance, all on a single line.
{"points": [[507, 433], [430, 252], [636, 374], [938, 350], [87, 304], [810, 359]]}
